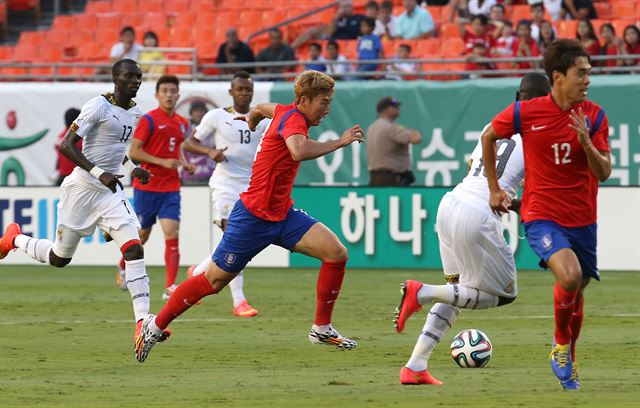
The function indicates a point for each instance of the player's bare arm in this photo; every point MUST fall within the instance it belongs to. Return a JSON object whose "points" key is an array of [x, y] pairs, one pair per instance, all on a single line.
{"points": [[188, 167], [498, 198], [599, 161], [141, 174], [137, 153], [256, 114], [302, 148], [193, 145], [70, 150]]}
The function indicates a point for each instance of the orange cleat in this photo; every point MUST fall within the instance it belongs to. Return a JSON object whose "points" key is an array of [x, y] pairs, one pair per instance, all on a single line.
{"points": [[410, 377], [244, 309], [165, 334], [408, 305], [6, 242]]}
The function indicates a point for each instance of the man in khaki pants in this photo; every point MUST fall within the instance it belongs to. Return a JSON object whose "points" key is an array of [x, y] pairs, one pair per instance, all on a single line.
{"points": [[388, 147]]}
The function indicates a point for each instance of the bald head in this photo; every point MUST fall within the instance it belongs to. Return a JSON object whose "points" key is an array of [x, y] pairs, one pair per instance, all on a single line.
{"points": [[533, 85]]}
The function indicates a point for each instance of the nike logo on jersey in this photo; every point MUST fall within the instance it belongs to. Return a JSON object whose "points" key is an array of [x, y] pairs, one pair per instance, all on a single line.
{"points": [[162, 126], [536, 128]]}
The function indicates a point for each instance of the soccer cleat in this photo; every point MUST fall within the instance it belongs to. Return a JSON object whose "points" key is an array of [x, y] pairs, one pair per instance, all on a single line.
{"points": [[146, 339], [244, 309], [121, 280], [408, 304], [331, 337], [410, 377], [168, 292], [573, 383], [166, 333], [6, 242], [560, 359]]}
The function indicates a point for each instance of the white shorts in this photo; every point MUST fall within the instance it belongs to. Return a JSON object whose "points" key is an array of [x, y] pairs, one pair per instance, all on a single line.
{"points": [[222, 201], [473, 247]]}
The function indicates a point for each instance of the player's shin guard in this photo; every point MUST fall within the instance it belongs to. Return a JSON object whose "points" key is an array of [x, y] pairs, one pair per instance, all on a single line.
{"points": [[563, 303], [37, 249], [138, 285], [576, 324], [329, 284], [457, 295], [440, 319], [171, 260], [187, 294]]}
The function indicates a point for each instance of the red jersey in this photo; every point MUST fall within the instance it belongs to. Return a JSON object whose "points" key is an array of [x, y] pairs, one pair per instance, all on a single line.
{"points": [[161, 136], [274, 170], [65, 166], [470, 39], [534, 52], [610, 49], [559, 186]]}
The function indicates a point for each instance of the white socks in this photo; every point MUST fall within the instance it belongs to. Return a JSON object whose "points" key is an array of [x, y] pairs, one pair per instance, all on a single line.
{"points": [[457, 295], [236, 285], [441, 317], [138, 285], [38, 249], [201, 267]]}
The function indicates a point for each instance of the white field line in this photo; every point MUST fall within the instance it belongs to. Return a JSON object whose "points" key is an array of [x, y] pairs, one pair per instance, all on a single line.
{"points": [[239, 320]]}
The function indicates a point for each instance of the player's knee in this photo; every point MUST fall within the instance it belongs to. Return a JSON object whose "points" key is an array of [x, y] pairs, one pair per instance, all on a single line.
{"points": [[502, 300], [134, 252], [338, 253], [570, 278], [58, 262]]}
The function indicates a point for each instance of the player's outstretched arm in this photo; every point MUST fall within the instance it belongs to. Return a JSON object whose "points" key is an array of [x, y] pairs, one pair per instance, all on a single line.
{"points": [[303, 148], [498, 198], [261, 111]]}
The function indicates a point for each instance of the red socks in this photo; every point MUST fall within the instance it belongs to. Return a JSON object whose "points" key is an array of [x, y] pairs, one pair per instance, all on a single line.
{"points": [[186, 295], [563, 304], [329, 284], [171, 260], [576, 324]]}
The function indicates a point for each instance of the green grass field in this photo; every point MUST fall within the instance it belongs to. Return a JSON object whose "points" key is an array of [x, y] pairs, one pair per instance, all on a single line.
{"points": [[66, 341]]}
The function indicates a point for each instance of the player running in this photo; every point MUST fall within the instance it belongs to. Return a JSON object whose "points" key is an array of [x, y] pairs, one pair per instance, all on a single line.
{"points": [[93, 195], [478, 264], [157, 146], [566, 150], [265, 214], [234, 147]]}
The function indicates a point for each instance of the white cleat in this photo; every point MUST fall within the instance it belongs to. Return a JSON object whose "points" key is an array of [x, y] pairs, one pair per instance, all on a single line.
{"points": [[331, 337], [146, 339]]}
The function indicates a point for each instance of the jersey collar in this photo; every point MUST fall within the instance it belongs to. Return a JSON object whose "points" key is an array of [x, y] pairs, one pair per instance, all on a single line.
{"points": [[112, 100]]}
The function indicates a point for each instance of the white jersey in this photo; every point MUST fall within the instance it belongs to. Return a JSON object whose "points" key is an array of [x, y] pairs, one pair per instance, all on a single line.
{"points": [[107, 131], [509, 169], [241, 144]]}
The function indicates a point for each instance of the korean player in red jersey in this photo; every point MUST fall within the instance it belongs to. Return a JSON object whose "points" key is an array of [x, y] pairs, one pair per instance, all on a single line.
{"points": [[566, 151], [265, 214]]}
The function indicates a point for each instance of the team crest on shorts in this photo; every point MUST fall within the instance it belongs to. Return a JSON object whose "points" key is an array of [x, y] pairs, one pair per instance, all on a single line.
{"points": [[59, 233], [509, 287], [229, 259], [547, 242]]}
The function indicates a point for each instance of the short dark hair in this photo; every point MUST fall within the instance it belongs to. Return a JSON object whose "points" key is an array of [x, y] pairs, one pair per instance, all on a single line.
{"points": [[70, 115], [333, 43], [524, 22], [167, 79], [533, 85], [372, 4], [371, 22], [116, 67], [197, 105], [498, 5], [405, 46], [538, 5], [316, 45], [483, 19], [276, 31], [241, 74], [386, 5], [561, 55], [151, 34], [609, 26], [126, 29]]}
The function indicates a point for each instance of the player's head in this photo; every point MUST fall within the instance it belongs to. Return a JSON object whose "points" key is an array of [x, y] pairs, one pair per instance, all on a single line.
{"points": [[70, 115], [127, 35], [168, 92], [241, 91], [127, 77], [533, 85], [567, 66], [313, 93]]}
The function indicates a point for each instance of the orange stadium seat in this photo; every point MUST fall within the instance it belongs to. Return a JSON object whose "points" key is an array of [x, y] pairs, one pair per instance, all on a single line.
{"points": [[449, 30], [132, 19], [567, 28], [155, 6], [619, 26], [154, 20], [5, 52], [125, 6], [63, 23], [185, 19], [624, 10], [106, 37], [520, 12], [597, 23], [426, 46], [439, 13], [98, 6], [181, 37], [86, 22], [109, 21], [34, 38], [24, 53], [603, 9]]}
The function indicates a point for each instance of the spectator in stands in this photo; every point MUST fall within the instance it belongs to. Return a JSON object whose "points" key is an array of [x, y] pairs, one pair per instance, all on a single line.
{"points": [[369, 46], [414, 22], [524, 45], [315, 55], [479, 50], [126, 48], [276, 51], [400, 64], [579, 9], [372, 10], [537, 17], [502, 46], [387, 20], [586, 35], [204, 164], [150, 40], [389, 159], [547, 36], [234, 51], [336, 69], [611, 45], [345, 25], [468, 8], [553, 7], [631, 38], [64, 166], [478, 33]]}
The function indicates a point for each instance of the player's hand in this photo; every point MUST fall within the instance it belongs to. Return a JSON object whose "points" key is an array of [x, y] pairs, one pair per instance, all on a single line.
{"points": [[579, 124], [499, 202], [170, 163], [112, 181], [142, 175], [188, 167], [252, 121], [218, 154], [353, 134]]}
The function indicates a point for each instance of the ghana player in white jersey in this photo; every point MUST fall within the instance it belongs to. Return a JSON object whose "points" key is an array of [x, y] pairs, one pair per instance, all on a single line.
{"points": [[92, 195], [478, 264], [234, 149]]}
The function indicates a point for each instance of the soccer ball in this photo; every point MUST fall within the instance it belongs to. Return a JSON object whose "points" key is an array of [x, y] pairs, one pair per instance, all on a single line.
{"points": [[471, 348]]}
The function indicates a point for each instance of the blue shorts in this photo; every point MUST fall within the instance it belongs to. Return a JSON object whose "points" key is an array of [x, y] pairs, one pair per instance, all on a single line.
{"points": [[546, 238], [150, 205], [246, 235]]}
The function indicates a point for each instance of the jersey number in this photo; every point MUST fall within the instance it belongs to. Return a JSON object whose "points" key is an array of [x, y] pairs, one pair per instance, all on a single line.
{"points": [[245, 136], [504, 149], [563, 150], [172, 144], [126, 133]]}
